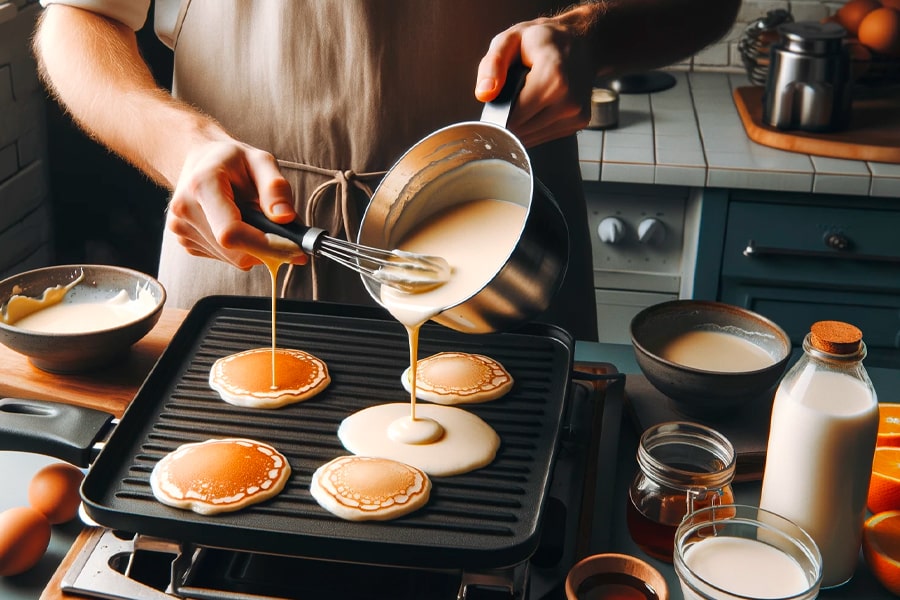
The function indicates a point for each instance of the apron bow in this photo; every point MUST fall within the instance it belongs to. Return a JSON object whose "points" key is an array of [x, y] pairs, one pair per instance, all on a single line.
{"points": [[342, 181]]}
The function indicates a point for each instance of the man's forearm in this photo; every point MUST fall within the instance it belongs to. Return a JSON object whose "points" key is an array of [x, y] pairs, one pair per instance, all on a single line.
{"points": [[634, 35], [94, 67]]}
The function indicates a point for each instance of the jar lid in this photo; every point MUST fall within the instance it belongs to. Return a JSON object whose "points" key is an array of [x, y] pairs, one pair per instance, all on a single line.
{"points": [[809, 37], [835, 337]]}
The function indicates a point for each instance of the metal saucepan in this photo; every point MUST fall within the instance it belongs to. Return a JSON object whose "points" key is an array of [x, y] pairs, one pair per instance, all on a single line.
{"points": [[468, 161]]}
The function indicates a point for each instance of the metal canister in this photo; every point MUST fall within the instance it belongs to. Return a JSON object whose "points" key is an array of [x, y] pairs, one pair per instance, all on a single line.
{"points": [[808, 85], [604, 109]]}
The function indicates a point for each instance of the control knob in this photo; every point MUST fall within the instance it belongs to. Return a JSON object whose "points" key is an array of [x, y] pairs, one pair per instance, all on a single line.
{"points": [[652, 231], [611, 230]]}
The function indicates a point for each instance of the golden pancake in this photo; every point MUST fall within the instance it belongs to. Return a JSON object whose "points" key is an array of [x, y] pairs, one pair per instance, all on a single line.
{"points": [[458, 378], [468, 442], [220, 475], [363, 488], [245, 378]]}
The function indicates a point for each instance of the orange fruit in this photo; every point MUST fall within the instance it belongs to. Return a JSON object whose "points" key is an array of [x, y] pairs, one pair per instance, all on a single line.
{"points": [[880, 31], [888, 424], [884, 485], [851, 14], [881, 548]]}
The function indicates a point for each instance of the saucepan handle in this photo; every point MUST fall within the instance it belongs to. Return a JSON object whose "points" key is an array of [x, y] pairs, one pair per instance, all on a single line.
{"points": [[63, 431], [497, 111]]}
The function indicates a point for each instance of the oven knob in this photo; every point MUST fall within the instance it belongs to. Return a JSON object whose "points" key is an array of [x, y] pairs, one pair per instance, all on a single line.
{"points": [[651, 231], [611, 230]]}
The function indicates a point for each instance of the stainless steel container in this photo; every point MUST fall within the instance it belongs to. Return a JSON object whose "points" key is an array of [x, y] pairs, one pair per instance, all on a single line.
{"points": [[808, 85], [474, 160]]}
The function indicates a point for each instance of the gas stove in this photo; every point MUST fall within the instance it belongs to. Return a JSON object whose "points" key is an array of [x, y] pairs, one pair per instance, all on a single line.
{"points": [[118, 565]]}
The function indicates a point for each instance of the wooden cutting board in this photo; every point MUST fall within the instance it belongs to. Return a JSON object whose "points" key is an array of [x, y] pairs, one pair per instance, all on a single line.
{"points": [[873, 133]]}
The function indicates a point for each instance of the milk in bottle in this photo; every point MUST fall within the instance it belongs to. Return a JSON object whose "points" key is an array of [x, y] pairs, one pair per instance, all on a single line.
{"points": [[821, 444]]}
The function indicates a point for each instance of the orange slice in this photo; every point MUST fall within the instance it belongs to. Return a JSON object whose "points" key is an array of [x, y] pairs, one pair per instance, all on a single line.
{"points": [[881, 548], [884, 485], [888, 424]]}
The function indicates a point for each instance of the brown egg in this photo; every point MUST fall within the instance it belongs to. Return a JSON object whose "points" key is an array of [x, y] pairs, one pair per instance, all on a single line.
{"points": [[880, 31], [851, 14], [54, 491], [24, 537]]}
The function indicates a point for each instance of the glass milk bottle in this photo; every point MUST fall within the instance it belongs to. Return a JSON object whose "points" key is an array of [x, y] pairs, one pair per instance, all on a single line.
{"points": [[821, 444]]}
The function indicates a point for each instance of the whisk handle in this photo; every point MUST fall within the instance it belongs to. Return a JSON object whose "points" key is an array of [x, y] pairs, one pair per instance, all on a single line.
{"points": [[306, 237]]}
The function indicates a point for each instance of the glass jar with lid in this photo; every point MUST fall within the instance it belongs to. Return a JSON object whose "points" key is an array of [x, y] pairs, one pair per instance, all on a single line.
{"points": [[682, 466]]}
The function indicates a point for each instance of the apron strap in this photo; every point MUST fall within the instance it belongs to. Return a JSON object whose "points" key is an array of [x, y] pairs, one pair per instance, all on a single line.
{"points": [[341, 181]]}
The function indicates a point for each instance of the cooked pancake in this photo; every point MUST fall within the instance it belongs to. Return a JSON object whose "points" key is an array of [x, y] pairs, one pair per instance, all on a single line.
{"points": [[363, 488], [245, 378], [220, 475], [468, 442], [458, 378]]}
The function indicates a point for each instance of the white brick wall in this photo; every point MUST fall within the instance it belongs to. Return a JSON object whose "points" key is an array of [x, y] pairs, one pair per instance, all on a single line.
{"points": [[724, 55], [25, 218]]}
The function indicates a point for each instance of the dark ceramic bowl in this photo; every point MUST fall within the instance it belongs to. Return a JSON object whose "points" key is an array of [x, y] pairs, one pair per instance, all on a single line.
{"points": [[76, 352], [698, 392]]}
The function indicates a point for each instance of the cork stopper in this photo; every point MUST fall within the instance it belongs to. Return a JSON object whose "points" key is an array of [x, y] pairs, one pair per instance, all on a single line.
{"points": [[835, 337]]}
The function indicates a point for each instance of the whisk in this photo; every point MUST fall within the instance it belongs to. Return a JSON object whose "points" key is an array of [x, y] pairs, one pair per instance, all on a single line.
{"points": [[406, 271]]}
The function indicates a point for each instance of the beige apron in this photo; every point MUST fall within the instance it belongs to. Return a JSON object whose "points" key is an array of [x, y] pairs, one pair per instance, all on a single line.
{"points": [[337, 90]]}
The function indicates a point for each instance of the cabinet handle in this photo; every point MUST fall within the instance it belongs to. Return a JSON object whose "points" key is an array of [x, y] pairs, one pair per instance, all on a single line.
{"points": [[752, 250]]}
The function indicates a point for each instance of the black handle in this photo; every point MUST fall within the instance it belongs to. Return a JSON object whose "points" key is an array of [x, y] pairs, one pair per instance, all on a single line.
{"points": [[497, 111], [752, 251], [55, 429], [305, 237]]}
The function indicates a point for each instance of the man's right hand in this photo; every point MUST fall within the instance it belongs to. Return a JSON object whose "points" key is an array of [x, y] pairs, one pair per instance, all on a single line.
{"points": [[216, 175]]}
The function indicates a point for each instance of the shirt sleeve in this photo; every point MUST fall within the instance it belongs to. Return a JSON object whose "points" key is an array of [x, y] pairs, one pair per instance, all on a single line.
{"points": [[132, 13]]}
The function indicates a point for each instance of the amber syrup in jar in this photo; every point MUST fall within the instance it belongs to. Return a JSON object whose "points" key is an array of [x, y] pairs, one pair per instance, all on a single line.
{"points": [[615, 586], [683, 467]]}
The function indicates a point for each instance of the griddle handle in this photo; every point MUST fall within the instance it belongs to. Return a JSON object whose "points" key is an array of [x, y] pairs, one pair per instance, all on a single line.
{"points": [[64, 431]]}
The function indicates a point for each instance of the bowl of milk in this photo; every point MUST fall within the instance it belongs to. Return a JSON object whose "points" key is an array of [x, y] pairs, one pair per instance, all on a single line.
{"points": [[734, 552], [709, 358], [73, 318]]}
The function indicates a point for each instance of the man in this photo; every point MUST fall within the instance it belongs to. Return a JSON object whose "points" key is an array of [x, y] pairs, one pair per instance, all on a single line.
{"points": [[278, 102]]}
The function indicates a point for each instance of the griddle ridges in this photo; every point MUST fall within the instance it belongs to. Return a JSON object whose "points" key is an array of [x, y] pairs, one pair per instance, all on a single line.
{"points": [[487, 518]]}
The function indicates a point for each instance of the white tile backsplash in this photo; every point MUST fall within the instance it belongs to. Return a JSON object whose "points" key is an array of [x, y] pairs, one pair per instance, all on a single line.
{"points": [[724, 55]]}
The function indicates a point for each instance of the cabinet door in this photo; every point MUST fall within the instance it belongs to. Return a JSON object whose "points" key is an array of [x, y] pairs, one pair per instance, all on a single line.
{"points": [[795, 309], [807, 245]]}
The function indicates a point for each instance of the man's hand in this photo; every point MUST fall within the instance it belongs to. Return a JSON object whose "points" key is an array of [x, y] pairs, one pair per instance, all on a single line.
{"points": [[555, 100], [600, 38], [204, 216]]}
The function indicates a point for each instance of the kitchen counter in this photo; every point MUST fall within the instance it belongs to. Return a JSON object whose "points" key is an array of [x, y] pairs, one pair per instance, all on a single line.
{"points": [[114, 391], [691, 135]]}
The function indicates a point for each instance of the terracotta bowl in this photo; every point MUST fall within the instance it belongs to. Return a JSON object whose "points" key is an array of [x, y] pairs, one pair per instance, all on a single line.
{"points": [[587, 578], [76, 352], [697, 392]]}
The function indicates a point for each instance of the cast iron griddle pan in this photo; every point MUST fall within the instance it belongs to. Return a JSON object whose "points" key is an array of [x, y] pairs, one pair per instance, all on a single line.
{"points": [[487, 518]]}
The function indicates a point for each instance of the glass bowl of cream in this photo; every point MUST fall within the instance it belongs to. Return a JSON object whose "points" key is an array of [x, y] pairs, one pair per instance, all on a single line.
{"points": [[740, 552], [74, 318]]}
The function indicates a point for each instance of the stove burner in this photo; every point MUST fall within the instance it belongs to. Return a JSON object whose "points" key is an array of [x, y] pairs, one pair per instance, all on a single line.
{"points": [[121, 566]]}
